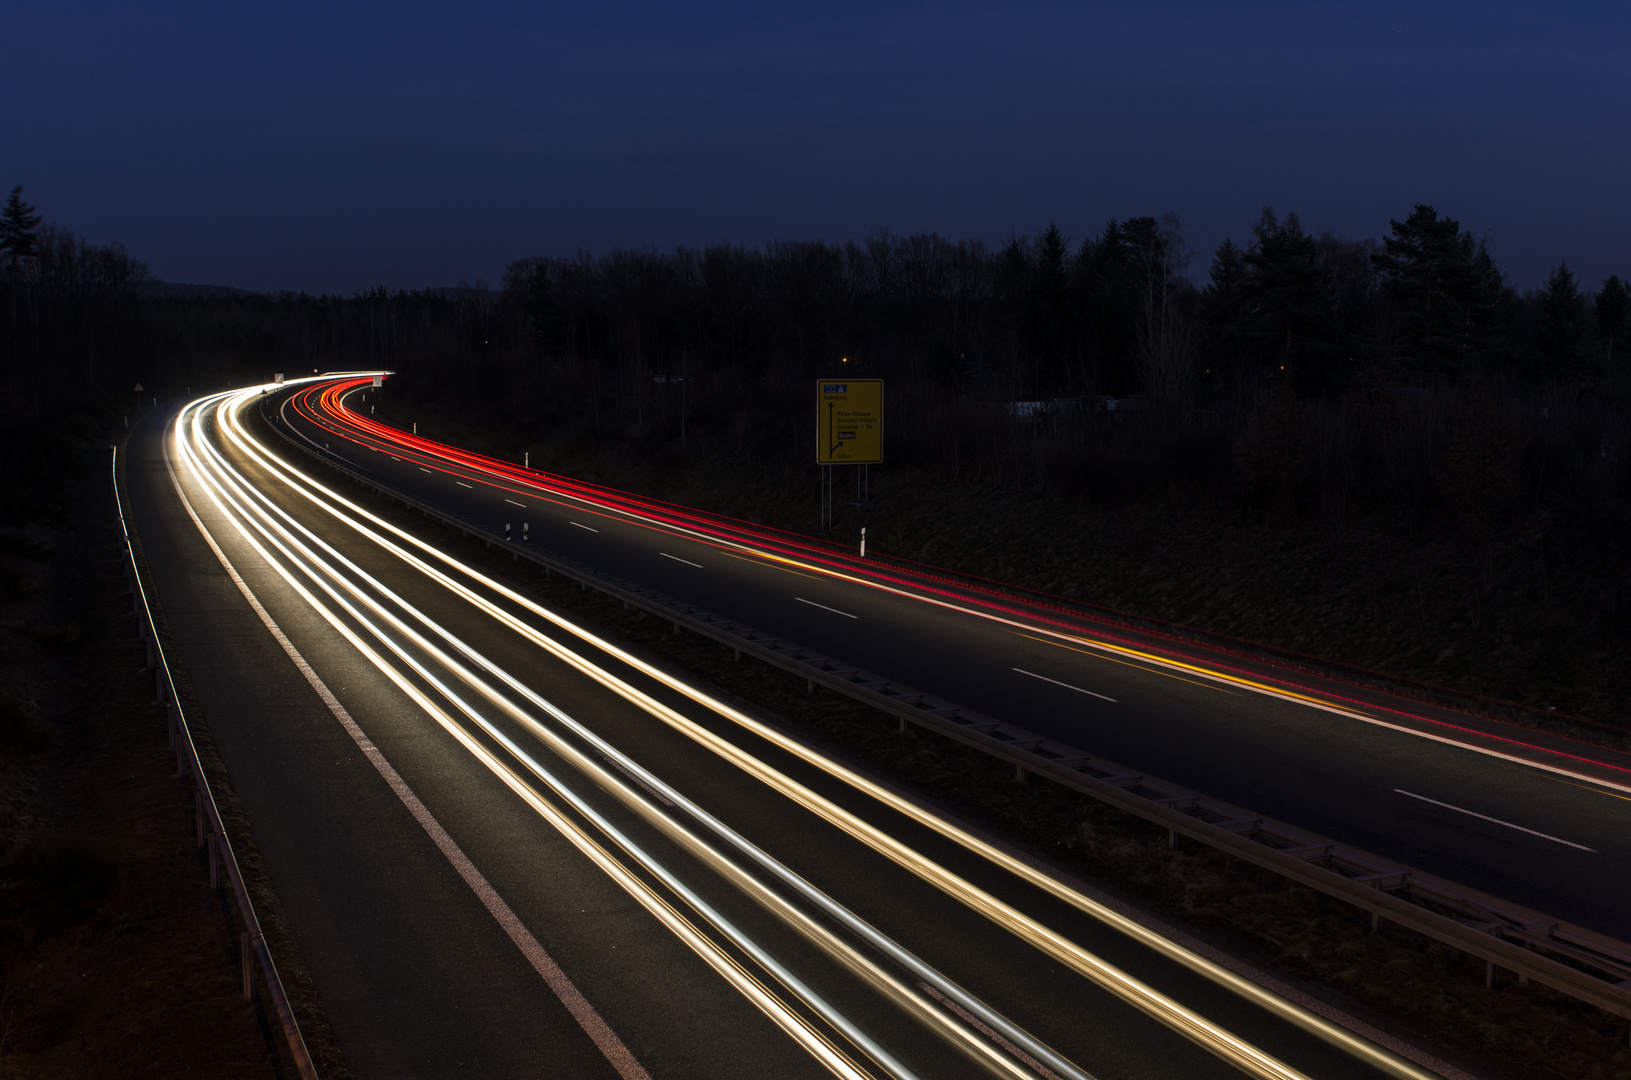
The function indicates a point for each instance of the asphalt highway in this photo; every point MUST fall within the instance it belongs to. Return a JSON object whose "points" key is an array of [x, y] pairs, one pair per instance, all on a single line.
{"points": [[1540, 820], [508, 847]]}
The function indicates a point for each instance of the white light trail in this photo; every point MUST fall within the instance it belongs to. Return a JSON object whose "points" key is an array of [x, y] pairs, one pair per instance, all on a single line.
{"points": [[1143, 997], [296, 544], [225, 491]]}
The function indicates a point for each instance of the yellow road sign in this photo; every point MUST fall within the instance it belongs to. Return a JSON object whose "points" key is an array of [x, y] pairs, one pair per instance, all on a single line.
{"points": [[849, 421]]}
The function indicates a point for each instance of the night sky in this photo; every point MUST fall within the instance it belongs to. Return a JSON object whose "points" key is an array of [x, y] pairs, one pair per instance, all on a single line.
{"points": [[333, 147]]}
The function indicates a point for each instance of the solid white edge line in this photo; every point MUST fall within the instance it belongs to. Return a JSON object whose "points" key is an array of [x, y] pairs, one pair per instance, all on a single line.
{"points": [[1066, 685], [1496, 820], [824, 607], [593, 1025], [676, 558]]}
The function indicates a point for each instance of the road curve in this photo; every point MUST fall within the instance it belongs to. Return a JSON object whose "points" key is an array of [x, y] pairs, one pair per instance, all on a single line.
{"points": [[509, 847], [1535, 818]]}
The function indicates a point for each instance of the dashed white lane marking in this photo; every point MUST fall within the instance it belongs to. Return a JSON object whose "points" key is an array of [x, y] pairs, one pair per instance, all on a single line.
{"points": [[1496, 821], [588, 1018], [462, 484], [570, 522], [824, 607], [676, 558], [423, 469], [512, 502], [1066, 685]]}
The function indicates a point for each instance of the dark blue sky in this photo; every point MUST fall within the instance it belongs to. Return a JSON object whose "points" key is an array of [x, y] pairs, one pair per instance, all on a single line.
{"points": [[335, 146]]}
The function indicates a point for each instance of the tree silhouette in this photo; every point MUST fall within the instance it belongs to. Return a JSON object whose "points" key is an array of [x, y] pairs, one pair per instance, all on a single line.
{"points": [[1447, 288], [1612, 313], [1560, 327], [1290, 300], [17, 225]]}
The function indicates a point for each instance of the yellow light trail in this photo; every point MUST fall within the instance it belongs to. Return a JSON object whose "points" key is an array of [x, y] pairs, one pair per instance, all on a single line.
{"points": [[1197, 1028], [228, 491]]}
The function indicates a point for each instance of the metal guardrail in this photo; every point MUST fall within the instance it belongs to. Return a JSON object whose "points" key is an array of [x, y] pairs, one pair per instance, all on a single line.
{"points": [[1590, 967], [212, 833]]}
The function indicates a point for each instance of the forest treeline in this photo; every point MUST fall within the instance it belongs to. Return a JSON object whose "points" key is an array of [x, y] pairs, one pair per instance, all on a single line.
{"points": [[1374, 450], [1315, 367]]}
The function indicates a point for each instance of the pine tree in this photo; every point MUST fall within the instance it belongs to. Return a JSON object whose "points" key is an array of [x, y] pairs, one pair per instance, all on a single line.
{"points": [[1560, 327], [1291, 304], [1222, 311], [1108, 288], [1448, 290], [1048, 318], [17, 225], [1612, 313]]}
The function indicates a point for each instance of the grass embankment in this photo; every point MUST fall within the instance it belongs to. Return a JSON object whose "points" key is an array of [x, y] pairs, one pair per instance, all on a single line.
{"points": [[116, 958], [1430, 990]]}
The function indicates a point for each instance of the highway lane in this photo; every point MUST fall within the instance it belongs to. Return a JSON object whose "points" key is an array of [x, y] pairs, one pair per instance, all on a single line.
{"points": [[413, 971], [1550, 840]]}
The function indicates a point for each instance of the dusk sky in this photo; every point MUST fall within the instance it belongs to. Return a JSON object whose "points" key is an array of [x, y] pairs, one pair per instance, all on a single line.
{"points": [[334, 147]]}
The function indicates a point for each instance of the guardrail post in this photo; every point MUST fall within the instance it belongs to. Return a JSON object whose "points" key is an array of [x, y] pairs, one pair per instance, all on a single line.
{"points": [[198, 815], [247, 959], [1376, 922], [215, 861], [1489, 973]]}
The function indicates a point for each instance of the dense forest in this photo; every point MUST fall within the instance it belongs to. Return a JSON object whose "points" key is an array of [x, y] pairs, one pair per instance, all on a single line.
{"points": [[1302, 393]]}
